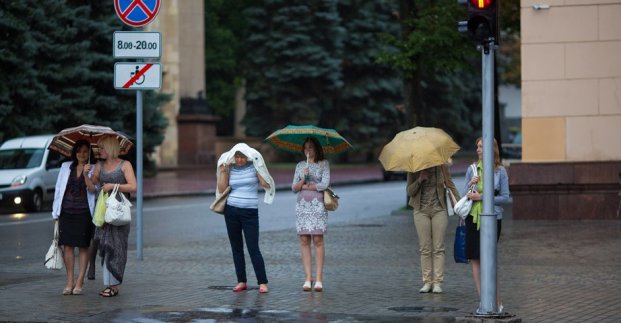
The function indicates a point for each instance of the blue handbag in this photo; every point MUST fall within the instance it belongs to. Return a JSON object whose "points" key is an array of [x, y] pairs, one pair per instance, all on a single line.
{"points": [[459, 248]]}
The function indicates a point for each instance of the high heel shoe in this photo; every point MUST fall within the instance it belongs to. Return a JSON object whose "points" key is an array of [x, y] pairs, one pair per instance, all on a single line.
{"points": [[318, 287], [240, 287], [307, 286]]}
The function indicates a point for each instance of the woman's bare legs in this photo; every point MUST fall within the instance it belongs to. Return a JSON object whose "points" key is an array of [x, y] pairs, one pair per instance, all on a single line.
{"points": [[319, 256], [82, 264], [476, 275], [305, 250], [69, 259]]}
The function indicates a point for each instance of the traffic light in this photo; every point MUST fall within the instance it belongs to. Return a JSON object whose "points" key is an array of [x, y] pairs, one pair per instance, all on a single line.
{"points": [[482, 23]]}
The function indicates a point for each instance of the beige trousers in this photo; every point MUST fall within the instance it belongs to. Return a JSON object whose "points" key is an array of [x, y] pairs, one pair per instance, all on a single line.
{"points": [[431, 229]]}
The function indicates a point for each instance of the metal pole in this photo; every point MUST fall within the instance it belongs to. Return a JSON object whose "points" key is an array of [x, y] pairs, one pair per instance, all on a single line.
{"points": [[139, 163], [488, 217]]}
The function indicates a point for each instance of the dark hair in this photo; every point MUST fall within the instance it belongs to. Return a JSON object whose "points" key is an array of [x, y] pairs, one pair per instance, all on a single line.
{"points": [[78, 144], [318, 149]]}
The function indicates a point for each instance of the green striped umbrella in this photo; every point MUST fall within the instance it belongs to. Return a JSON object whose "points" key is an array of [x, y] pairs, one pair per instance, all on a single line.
{"points": [[291, 138]]}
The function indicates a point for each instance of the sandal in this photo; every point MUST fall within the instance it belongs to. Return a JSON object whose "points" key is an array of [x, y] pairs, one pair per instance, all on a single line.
{"points": [[67, 291], [110, 293], [105, 291]]}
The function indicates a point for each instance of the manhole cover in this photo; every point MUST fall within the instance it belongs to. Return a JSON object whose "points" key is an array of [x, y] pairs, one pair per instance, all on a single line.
{"points": [[422, 309]]}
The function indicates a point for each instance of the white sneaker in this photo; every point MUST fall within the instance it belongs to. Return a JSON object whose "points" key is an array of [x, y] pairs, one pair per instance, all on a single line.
{"points": [[437, 288], [426, 288]]}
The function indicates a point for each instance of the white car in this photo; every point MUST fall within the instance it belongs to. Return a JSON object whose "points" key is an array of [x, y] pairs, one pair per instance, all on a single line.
{"points": [[28, 172]]}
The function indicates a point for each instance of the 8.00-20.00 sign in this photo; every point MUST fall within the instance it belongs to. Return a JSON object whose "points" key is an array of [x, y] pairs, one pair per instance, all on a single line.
{"points": [[136, 44]]}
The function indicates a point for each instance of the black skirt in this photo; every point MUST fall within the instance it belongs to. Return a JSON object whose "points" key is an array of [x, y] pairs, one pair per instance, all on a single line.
{"points": [[473, 238], [75, 230]]}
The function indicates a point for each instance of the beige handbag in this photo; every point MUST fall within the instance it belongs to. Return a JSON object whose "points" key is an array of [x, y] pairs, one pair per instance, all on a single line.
{"points": [[219, 204], [330, 199]]}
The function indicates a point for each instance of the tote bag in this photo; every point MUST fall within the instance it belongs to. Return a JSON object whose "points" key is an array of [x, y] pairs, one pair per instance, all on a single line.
{"points": [[54, 255], [219, 203], [118, 209], [459, 248]]}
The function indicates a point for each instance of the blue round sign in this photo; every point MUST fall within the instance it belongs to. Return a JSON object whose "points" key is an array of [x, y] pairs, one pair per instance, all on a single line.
{"points": [[137, 13]]}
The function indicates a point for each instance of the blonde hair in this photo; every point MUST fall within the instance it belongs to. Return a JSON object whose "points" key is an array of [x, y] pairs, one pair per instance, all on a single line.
{"points": [[111, 145], [496, 151]]}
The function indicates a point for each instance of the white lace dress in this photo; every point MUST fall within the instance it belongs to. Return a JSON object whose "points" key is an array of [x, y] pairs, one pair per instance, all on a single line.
{"points": [[312, 217]]}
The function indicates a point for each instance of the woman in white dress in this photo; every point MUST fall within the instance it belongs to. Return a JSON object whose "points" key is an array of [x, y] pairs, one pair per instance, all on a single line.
{"points": [[311, 178]]}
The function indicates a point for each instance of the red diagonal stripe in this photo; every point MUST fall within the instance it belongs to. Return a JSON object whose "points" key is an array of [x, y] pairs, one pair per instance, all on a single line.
{"points": [[144, 7], [135, 77], [129, 9]]}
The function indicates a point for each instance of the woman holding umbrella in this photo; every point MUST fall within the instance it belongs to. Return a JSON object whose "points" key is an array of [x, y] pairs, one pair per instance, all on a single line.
{"points": [[73, 206], [311, 178], [426, 189], [112, 239]]}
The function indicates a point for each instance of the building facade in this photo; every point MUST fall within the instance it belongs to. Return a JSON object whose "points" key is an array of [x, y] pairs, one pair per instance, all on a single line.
{"points": [[571, 110]]}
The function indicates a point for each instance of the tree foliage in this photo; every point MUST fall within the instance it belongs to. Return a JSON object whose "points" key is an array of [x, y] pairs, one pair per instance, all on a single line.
{"points": [[57, 71], [314, 63], [436, 62]]}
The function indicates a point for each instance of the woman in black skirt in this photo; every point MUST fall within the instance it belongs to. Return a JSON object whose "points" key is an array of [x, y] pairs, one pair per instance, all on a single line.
{"points": [[74, 203]]}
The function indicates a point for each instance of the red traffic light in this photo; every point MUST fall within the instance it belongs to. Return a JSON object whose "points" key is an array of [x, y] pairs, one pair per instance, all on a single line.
{"points": [[481, 4]]}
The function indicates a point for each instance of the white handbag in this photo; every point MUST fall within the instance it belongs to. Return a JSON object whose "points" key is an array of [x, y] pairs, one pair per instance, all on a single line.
{"points": [[54, 256], [118, 210], [463, 206]]}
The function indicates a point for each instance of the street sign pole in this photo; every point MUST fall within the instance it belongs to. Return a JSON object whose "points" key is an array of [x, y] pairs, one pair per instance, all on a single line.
{"points": [[139, 174], [488, 228], [139, 45]]}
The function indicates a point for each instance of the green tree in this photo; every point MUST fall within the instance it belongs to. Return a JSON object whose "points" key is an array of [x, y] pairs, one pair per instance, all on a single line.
{"points": [[57, 71], [367, 107], [295, 71], [225, 31], [430, 49]]}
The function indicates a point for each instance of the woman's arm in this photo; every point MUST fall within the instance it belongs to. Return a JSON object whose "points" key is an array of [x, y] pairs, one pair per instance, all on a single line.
{"points": [[298, 179], [88, 172], [262, 181], [503, 195], [325, 177], [223, 180], [414, 182]]}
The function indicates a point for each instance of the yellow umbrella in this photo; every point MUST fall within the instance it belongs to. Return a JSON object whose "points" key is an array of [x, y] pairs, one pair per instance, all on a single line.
{"points": [[417, 149]]}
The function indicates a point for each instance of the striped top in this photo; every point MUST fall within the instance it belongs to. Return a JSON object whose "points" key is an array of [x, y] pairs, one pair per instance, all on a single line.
{"points": [[244, 187]]}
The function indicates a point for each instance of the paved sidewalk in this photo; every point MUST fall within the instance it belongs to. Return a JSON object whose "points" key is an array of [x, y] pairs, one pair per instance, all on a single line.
{"points": [[549, 271]]}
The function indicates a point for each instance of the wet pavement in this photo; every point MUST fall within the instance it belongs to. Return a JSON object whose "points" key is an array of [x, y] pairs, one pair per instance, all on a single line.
{"points": [[549, 271]]}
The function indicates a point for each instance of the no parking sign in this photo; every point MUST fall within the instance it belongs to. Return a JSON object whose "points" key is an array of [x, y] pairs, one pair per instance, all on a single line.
{"points": [[137, 13]]}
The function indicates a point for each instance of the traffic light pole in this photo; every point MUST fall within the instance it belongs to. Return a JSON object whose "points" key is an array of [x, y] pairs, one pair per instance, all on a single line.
{"points": [[488, 306]]}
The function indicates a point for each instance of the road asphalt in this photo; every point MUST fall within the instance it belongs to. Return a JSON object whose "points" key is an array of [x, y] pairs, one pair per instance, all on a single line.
{"points": [[549, 271]]}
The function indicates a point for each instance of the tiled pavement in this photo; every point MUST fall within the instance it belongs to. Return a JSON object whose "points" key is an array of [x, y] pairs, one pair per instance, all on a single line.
{"points": [[550, 271]]}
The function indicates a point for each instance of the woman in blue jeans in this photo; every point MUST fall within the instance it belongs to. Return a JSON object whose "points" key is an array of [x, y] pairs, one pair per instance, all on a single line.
{"points": [[242, 208]]}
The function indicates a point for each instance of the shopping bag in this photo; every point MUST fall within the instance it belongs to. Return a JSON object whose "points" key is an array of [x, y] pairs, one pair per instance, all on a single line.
{"points": [[100, 209], [54, 255], [118, 208], [459, 248]]}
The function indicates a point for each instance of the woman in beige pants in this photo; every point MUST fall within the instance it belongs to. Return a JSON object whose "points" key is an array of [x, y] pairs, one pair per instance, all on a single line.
{"points": [[428, 199]]}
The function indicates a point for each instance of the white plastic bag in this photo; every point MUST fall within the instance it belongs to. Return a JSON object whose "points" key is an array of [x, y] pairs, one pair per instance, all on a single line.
{"points": [[463, 206], [118, 212], [54, 255]]}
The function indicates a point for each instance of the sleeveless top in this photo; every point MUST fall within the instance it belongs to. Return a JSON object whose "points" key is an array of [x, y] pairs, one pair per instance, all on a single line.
{"points": [[115, 176]]}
